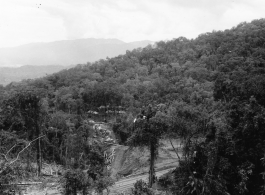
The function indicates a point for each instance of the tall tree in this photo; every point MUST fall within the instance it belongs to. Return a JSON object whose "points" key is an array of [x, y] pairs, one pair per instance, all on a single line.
{"points": [[147, 130]]}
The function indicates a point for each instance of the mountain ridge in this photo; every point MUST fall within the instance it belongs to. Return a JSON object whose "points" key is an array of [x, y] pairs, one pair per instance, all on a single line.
{"points": [[16, 74], [66, 52]]}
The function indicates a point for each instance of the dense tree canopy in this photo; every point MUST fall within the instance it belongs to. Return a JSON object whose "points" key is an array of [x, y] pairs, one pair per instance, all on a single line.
{"points": [[211, 94]]}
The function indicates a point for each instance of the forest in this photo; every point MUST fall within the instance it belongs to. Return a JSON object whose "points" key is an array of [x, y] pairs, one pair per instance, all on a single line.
{"points": [[209, 92]]}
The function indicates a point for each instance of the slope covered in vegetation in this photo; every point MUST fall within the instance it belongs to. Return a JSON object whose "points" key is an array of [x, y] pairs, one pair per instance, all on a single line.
{"points": [[207, 91]]}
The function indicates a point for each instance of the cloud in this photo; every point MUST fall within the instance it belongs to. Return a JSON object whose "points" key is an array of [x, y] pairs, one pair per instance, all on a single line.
{"points": [[101, 19], [23, 22], [128, 20], [145, 19], [71, 20]]}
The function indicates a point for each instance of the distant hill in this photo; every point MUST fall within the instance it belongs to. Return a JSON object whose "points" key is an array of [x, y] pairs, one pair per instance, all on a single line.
{"points": [[67, 52], [8, 75]]}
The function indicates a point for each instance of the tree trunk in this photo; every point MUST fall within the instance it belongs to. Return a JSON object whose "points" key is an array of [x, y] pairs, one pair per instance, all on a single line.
{"points": [[66, 155], [152, 165], [38, 151], [40, 159]]}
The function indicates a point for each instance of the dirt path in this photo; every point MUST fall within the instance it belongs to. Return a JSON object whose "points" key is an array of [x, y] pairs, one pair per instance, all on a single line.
{"points": [[127, 183]]}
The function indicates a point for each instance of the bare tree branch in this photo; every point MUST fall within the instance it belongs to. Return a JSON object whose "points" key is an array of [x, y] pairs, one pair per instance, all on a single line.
{"points": [[25, 149], [6, 165], [174, 149], [10, 150], [4, 157]]}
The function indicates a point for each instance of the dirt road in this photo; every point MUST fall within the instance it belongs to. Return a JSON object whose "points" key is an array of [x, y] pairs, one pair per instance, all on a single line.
{"points": [[127, 183]]}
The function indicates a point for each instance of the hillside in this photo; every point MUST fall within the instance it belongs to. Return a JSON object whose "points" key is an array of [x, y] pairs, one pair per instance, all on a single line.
{"points": [[68, 52], [8, 75], [207, 92]]}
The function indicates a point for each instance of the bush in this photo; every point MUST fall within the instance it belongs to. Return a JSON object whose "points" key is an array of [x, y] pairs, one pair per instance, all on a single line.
{"points": [[78, 181], [75, 181], [141, 188]]}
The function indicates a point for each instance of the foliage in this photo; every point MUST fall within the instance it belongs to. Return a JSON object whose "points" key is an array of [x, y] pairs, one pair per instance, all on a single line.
{"points": [[121, 128], [209, 92], [76, 181], [88, 172], [141, 188]]}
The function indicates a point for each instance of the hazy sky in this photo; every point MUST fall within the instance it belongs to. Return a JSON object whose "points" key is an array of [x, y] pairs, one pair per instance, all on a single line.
{"points": [[27, 21]]}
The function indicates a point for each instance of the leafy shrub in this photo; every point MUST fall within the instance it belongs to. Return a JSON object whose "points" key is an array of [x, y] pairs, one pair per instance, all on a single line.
{"points": [[78, 181], [75, 181], [141, 188]]}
